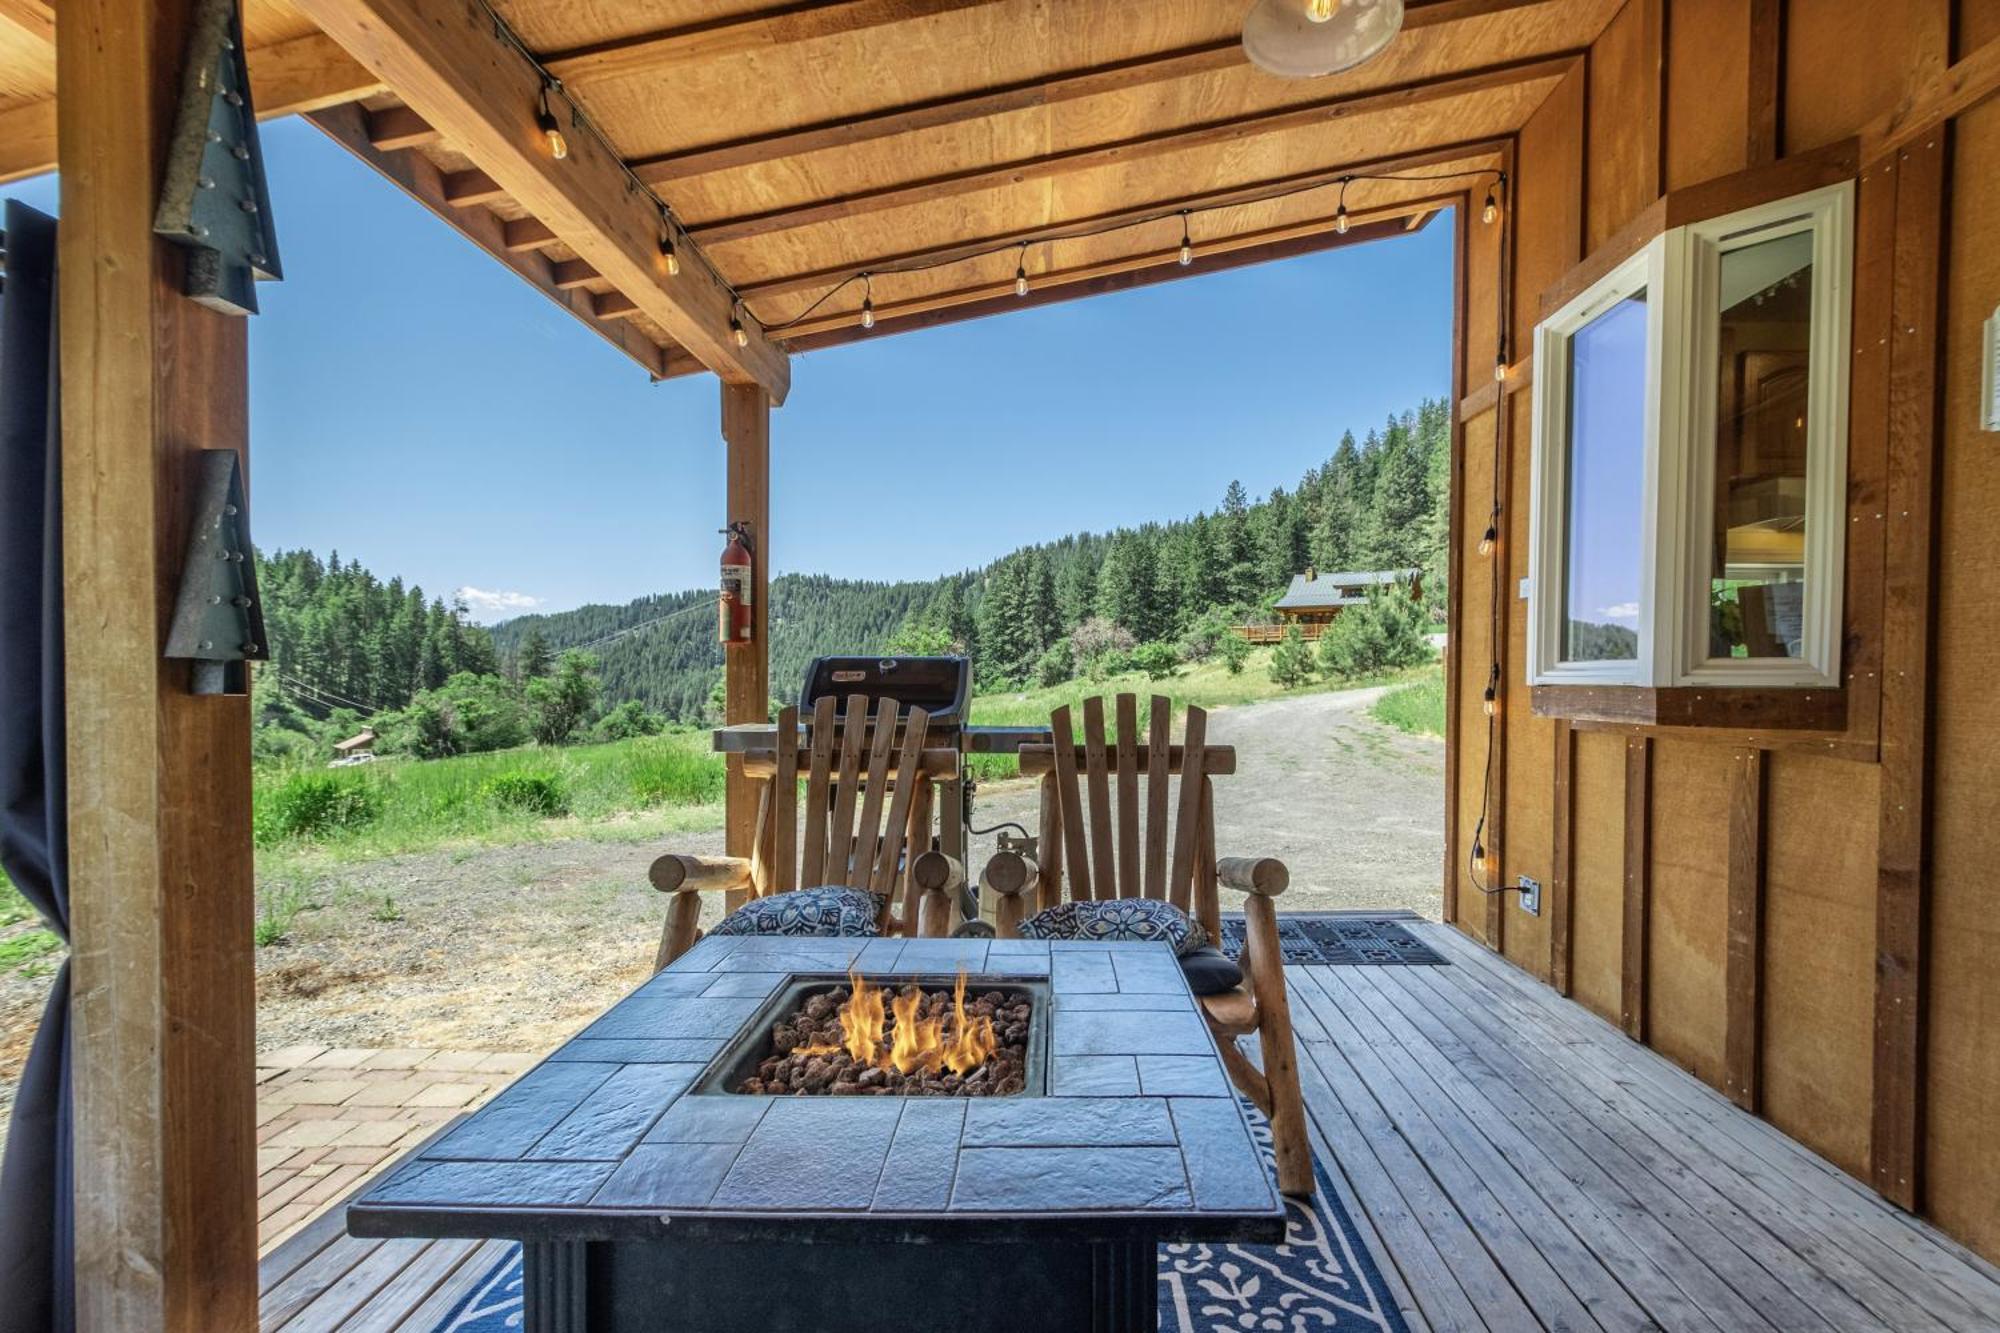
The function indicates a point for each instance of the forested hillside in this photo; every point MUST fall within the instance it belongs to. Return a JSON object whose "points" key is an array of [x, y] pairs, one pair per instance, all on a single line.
{"points": [[1037, 613]]}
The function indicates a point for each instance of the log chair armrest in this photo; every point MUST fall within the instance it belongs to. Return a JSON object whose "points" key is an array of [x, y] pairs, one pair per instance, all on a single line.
{"points": [[675, 873], [1265, 876], [1008, 874], [935, 872]]}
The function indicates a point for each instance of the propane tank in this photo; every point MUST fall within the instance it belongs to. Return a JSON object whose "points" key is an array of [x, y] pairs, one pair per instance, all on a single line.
{"points": [[736, 602]]}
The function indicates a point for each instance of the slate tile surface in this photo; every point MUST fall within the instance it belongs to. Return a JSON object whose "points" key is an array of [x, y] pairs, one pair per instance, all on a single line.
{"points": [[1139, 1117]]}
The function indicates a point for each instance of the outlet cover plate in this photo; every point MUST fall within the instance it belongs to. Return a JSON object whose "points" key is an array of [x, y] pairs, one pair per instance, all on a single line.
{"points": [[1531, 896]]}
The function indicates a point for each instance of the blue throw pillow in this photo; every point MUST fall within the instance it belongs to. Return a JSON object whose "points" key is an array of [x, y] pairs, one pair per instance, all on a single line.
{"points": [[829, 911], [1112, 919]]}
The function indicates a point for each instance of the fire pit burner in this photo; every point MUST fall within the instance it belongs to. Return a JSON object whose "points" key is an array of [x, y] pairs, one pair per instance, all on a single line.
{"points": [[905, 1036]]}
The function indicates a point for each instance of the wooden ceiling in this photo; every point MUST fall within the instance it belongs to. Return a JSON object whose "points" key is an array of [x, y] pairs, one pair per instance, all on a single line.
{"points": [[800, 142]]}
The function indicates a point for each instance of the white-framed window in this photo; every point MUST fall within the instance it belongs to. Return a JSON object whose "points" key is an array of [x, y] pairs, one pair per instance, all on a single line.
{"points": [[1689, 472]]}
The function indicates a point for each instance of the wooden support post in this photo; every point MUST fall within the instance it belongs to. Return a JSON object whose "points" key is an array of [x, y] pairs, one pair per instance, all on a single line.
{"points": [[1504, 572], [746, 670], [1902, 887], [1562, 871], [1766, 137], [160, 868], [1638, 884], [1744, 966], [1454, 734]]}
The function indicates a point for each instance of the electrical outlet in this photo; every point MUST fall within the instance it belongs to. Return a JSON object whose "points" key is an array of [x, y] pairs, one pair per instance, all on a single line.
{"points": [[1531, 896]]}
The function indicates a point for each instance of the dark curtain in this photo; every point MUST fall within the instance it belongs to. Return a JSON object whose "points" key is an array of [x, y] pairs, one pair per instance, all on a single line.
{"points": [[37, 1235]]}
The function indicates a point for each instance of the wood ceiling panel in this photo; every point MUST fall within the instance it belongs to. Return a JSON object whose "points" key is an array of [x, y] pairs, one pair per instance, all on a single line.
{"points": [[853, 241], [27, 65]]}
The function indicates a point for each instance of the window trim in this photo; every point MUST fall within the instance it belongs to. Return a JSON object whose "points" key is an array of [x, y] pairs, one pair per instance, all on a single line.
{"points": [[1680, 271]]}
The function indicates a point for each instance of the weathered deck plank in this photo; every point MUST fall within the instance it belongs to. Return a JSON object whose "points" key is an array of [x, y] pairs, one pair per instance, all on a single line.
{"points": [[1513, 1161]]}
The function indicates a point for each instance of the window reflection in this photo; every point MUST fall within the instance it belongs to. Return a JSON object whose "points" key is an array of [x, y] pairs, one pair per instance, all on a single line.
{"points": [[1606, 485], [1757, 563]]}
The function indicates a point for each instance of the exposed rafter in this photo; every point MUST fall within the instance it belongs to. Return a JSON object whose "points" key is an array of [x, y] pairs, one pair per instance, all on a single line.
{"points": [[446, 62], [349, 126], [1071, 85], [36, 18], [801, 21], [1125, 151], [302, 74], [1469, 153], [1078, 287]]}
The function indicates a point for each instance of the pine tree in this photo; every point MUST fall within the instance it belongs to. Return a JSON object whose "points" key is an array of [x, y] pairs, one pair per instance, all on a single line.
{"points": [[1044, 618], [1235, 550], [1333, 542], [534, 658], [1007, 649], [1128, 592]]}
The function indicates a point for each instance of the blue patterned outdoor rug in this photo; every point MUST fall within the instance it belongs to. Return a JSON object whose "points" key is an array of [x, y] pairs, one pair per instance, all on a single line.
{"points": [[1330, 937], [1322, 1278]]}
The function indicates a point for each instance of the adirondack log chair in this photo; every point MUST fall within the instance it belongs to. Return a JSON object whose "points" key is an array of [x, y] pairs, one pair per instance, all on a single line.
{"points": [[1099, 842], [867, 822]]}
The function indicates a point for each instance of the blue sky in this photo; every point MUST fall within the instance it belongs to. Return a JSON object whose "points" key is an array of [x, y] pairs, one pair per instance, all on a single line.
{"points": [[416, 405]]}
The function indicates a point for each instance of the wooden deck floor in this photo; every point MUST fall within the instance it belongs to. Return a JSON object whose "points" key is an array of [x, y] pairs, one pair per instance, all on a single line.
{"points": [[1515, 1163]]}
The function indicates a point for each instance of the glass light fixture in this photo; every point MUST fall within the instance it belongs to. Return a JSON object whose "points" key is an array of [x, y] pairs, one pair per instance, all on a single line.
{"points": [[1303, 39], [552, 135]]}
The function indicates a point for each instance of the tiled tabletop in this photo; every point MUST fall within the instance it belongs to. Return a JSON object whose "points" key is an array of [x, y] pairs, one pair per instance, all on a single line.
{"points": [[1141, 1132]]}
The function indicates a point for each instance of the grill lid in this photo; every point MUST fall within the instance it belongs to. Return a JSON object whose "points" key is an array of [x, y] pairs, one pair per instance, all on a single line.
{"points": [[941, 686]]}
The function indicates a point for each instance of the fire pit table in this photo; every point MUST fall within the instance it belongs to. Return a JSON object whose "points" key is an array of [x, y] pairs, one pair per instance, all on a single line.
{"points": [[649, 1194]]}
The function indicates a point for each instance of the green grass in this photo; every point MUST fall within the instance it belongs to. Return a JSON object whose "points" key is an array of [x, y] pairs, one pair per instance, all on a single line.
{"points": [[13, 907], [26, 948], [1417, 708]]}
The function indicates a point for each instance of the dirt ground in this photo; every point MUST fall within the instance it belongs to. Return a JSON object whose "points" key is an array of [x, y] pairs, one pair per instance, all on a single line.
{"points": [[515, 948]]}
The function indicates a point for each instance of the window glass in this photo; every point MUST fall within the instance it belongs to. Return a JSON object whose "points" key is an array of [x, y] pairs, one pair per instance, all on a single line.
{"points": [[1606, 485], [1757, 560]]}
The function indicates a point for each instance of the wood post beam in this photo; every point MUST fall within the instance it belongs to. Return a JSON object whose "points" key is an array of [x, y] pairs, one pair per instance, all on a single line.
{"points": [[1896, 1152], [1743, 969], [1562, 857], [1129, 273], [449, 66], [303, 74], [746, 668], [1122, 152], [1472, 154], [1638, 885], [419, 178], [398, 127], [160, 863]]}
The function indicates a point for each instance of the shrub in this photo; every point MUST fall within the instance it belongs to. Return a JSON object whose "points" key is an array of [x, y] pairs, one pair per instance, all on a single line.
{"points": [[626, 721], [1417, 707], [531, 793], [1234, 650], [677, 777], [316, 805], [1158, 660], [1056, 665], [561, 703], [1384, 634], [1292, 660]]}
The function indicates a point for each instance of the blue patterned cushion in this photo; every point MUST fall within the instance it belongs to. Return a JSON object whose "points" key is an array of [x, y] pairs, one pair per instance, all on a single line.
{"points": [[1118, 919], [829, 911]]}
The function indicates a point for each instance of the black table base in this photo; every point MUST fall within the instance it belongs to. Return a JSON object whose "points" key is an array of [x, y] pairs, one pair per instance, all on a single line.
{"points": [[780, 1286]]}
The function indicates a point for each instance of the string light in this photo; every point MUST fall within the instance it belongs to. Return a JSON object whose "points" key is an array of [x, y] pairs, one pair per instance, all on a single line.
{"points": [[1488, 538], [1489, 213], [1319, 11], [1021, 272], [1187, 241], [868, 303], [1340, 213], [736, 329], [669, 259], [545, 121]]}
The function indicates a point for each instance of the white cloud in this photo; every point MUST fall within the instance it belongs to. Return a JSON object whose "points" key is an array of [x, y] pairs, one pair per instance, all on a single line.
{"points": [[1622, 611], [491, 604]]}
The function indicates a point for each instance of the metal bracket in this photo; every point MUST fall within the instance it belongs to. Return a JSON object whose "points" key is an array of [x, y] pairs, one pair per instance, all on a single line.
{"points": [[218, 621], [215, 200]]}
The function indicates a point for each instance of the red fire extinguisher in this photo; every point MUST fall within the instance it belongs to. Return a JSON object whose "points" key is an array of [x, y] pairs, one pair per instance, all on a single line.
{"points": [[736, 604]]}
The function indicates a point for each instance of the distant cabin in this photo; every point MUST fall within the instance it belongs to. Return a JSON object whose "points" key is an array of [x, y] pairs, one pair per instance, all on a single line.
{"points": [[355, 744], [1314, 599]]}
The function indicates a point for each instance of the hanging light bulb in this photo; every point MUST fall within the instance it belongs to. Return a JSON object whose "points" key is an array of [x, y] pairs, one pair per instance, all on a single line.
{"points": [[1490, 701], [668, 258], [1340, 213], [545, 121], [736, 329], [1500, 368], [1187, 242], [1021, 273], [1302, 39], [1491, 210], [868, 304], [1488, 538]]}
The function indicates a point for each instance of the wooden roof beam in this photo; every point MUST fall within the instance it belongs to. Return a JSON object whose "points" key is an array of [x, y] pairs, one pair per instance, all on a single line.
{"points": [[36, 18], [286, 78], [398, 127], [1232, 129], [1078, 287], [421, 179], [800, 21], [444, 60], [1212, 254], [1091, 81], [1470, 151]]}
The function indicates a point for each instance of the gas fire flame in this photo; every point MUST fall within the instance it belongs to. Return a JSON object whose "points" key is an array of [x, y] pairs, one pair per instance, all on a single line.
{"points": [[916, 1044]]}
